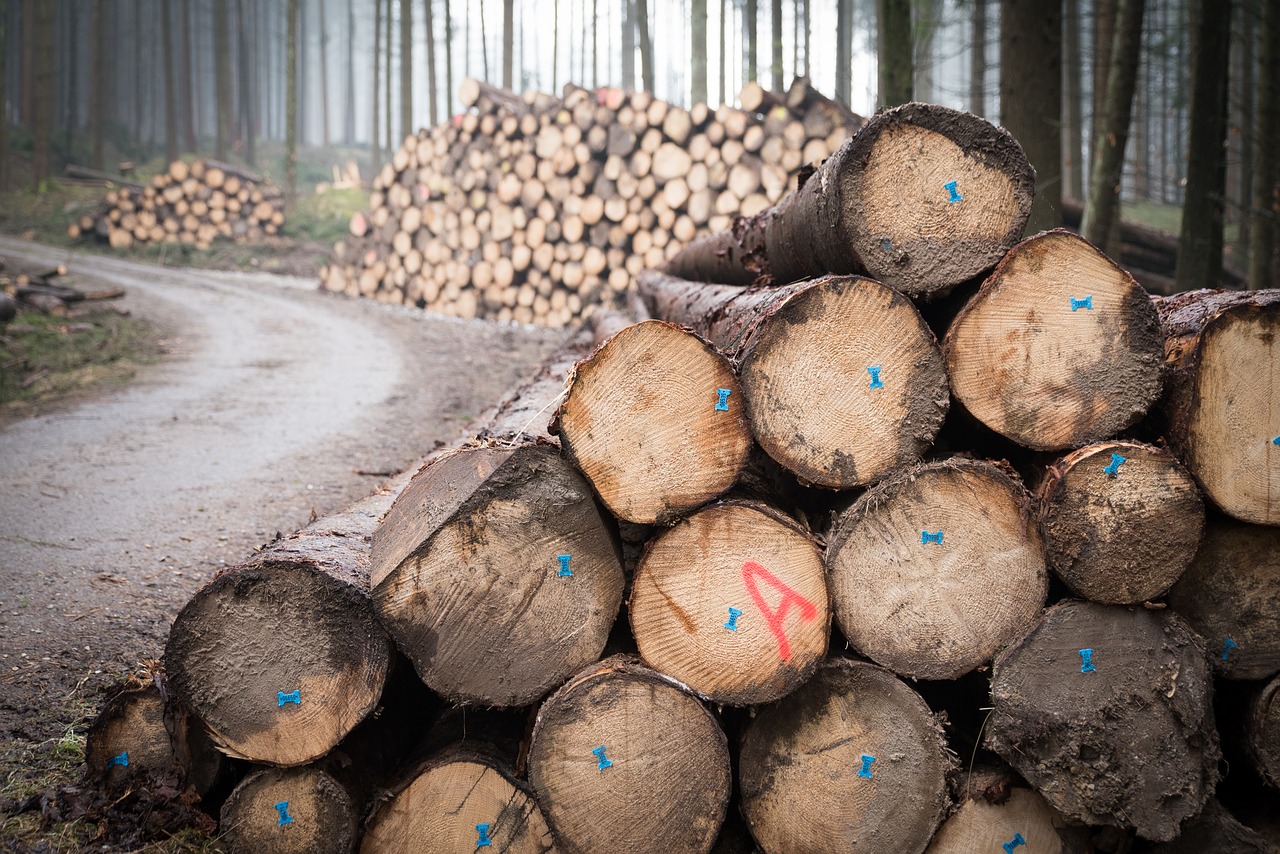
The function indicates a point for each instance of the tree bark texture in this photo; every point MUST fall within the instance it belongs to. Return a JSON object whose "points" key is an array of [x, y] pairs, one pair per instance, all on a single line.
{"points": [[222, 75], [646, 44], [698, 52], [1031, 98], [291, 104], [42, 109], [1263, 263], [894, 52], [508, 44], [406, 68], [429, 16]]}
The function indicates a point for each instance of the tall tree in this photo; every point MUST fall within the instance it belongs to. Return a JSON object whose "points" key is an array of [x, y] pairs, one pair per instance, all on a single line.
{"points": [[375, 143], [646, 44], [698, 52], [1031, 97], [248, 85], [222, 75], [724, 99], [1072, 120], [406, 68], [555, 42], [927, 15], [324, 73], [484, 43], [71, 114], [170, 102], [1263, 271], [189, 67], [386, 93], [628, 45], [97, 85], [349, 94], [4, 101], [508, 40], [291, 105], [894, 52], [807, 30], [1102, 210], [1240, 162], [844, 51], [1104, 34], [433, 106], [776, 58], [448, 60], [978, 59], [752, 47], [42, 154], [595, 40]]}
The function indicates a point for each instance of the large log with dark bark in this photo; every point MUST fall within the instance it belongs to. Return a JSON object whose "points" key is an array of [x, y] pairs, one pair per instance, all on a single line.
{"points": [[903, 556], [623, 758], [1108, 712], [1221, 407], [1122, 520], [853, 760], [921, 198], [843, 381]]}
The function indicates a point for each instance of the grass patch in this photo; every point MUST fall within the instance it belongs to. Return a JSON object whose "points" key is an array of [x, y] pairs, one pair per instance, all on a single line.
{"points": [[324, 217]]}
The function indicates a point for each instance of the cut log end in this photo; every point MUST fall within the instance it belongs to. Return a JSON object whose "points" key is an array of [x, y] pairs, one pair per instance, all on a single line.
{"points": [[905, 556], [656, 421], [1262, 732], [733, 603], [293, 811], [852, 759], [1122, 521], [981, 825], [129, 738], [1060, 347]]}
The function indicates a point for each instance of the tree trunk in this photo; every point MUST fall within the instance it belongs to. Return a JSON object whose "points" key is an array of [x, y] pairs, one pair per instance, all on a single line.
{"points": [[1108, 713], [320, 814], [508, 42], [894, 52], [448, 59], [1031, 98], [646, 44], [388, 139], [628, 45], [375, 144], [1102, 214], [406, 68], [1086, 362], [883, 408], [853, 755], [924, 28], [222, 75], [248, 86], [653, 460], [1227, 595], [484, 40], [189, 100], [520, 513], [1200, 242], [855, 213], [324, 74], [349, 92], [555, 42], [844, 50], [97, 91], [1072, 120], [698, 51], [779, 84], [894, 555], [433, 107], [1121, 520], [1263, 264], [170, 101], [724, 92], [1218, 408], [978, 59], [291, 105], [42, 121], [614, 731], [702, 596]]}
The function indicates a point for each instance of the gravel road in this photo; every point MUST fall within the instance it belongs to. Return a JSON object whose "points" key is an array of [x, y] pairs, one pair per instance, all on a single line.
{"points": [[275, 402]]}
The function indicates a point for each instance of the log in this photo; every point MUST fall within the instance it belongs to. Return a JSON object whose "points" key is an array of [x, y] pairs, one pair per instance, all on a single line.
{"points": [[655, 420], [1214, 830], [921, 198], [842, 380], [282, 657], [733, 603], [1058, 349], [289, 811], [1122, 521], [995, 811], [496, 573], [1262, 732], [853, 760], [1220, 410], [1228, 595], [902, 556], [1108, 713]]}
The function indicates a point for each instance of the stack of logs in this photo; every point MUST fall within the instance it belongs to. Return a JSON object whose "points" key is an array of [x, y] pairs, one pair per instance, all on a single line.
{"points": [[190, 203], [533, 208], [809, 503]]}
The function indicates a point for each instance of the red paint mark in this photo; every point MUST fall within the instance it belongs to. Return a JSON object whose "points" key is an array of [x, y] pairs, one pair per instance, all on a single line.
{"points": [[808, 611]]}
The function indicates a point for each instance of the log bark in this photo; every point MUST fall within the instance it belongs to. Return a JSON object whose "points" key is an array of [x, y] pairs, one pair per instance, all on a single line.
{"points": [[878, 206], [282, 657], [905, 552], [496, 573], [842, 380], [1228, 595], [290, 811], [655, 420], [1262, 732], [852, 760], [1108, 713], [1122, 521], [623, 758], [1214, 830], [1220, 410], [733, 603], [1058, 349]]}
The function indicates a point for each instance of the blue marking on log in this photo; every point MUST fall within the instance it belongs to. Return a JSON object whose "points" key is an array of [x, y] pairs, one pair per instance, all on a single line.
{"points": [[1086, 658]]}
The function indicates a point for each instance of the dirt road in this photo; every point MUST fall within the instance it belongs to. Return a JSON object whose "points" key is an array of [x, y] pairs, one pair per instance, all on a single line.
{"points": [[273, 398]]}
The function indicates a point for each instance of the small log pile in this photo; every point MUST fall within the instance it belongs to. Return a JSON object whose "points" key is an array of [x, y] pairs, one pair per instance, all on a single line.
{"points": [[38, 290], [772, 479], [193, 204], [533, 208]]}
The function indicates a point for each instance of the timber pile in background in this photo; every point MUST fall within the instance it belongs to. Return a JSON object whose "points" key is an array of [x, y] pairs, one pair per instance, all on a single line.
{"points": [[193, 204], [837, 579], [533, 208]]}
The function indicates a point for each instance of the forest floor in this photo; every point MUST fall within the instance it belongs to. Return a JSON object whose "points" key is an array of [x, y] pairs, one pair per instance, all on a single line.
{"points": [[266, 403]]}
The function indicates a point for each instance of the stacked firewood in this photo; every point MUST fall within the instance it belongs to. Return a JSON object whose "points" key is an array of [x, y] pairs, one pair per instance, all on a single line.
{"points": [[808, 503], [190, 203], [533, 208]]}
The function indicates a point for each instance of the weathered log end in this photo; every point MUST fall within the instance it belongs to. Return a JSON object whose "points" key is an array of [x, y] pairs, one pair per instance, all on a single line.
{"points": [[656, 421], [1059, 348], [853, 759], [129, 738], [993, 824], [1121, 520], [497, 574], [936, 569], [1222, 409], [732, 601], [289, 811], [933, 197], [1108, 713], [625, 759]]}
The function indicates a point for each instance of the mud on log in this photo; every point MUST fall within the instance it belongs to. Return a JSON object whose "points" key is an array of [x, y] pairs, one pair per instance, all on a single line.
{"points": [[290, 811], [843, 381]]}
